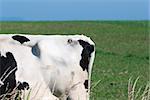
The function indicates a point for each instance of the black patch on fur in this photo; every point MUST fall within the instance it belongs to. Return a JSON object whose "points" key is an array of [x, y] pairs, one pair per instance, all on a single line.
{"points": [[8, 66], [86, 84], [86, 54], [68, 98], [23, 85], [20, 39]]}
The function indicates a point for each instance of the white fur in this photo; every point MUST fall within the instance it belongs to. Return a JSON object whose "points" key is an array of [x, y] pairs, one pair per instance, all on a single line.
{"points": [[56, 69]]}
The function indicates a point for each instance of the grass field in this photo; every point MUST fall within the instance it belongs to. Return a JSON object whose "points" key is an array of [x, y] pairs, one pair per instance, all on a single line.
{"points": [[121, 51]]}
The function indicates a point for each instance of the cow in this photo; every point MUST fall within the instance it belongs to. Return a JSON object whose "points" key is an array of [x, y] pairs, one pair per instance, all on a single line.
{"points": [[51, 67]]}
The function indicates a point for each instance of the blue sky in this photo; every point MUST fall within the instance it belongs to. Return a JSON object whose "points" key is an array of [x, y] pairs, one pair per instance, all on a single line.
{"points": [[74, 9]]}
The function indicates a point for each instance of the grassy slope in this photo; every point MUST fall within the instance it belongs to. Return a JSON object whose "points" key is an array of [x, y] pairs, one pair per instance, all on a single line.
{"points": [[121, 51]]}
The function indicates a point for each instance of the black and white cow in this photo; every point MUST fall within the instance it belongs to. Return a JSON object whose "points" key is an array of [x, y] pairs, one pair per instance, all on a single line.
{"points": [[50, 67]]}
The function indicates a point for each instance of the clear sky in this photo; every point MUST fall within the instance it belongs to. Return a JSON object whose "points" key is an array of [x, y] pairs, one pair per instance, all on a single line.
{"points": [[74, 9]]}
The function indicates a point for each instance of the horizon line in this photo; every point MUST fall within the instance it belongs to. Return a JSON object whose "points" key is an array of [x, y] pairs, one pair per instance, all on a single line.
{"points": [[74, 20]]}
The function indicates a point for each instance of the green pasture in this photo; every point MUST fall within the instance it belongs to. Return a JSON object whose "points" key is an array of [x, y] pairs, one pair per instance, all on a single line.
{"points": [[122, 51]]}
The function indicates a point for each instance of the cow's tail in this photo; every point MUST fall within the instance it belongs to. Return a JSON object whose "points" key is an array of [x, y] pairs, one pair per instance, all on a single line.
{"points": [[90, 70]]}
